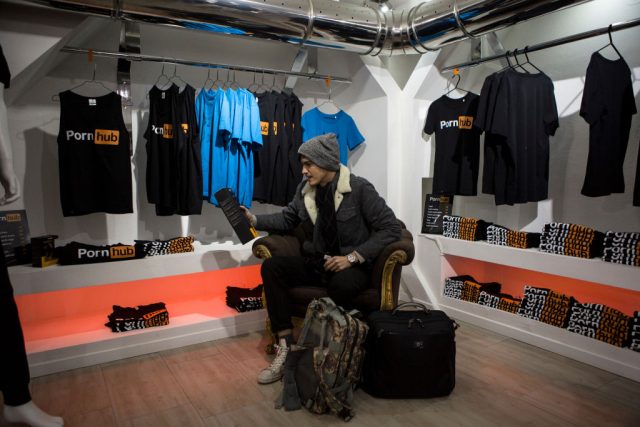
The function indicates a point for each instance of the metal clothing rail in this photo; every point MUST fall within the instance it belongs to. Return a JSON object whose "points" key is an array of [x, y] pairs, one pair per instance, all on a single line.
{"points": [[546, 45], [153, 58]]}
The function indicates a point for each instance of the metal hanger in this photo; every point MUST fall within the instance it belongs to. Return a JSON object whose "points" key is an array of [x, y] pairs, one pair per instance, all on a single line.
{"points": [[456, 73], [93, 81], [253, 86], [167, 79], [175, 78], [526, 55], [515, 56], [329, 101], [610, 42], [209, 79]]}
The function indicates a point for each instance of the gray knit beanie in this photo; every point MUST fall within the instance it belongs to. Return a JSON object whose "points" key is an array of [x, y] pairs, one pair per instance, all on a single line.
{"points": [[322, 150]]}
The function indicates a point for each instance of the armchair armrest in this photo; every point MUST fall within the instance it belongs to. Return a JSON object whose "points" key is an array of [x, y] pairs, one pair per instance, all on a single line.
{"points": [[387, 268], [268, 246]]}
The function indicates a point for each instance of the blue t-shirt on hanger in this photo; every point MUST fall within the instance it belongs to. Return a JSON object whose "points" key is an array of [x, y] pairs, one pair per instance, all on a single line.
{"points": [[315, 122]]}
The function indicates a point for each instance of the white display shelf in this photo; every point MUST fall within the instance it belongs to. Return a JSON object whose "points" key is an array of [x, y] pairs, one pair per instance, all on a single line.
{"points": [[217, 256], [621, 361], [62, 353], [592, 270]]}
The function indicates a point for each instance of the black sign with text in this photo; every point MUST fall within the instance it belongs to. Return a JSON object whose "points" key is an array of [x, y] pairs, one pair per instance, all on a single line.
{"points": [[14, 235], [435, 207]]}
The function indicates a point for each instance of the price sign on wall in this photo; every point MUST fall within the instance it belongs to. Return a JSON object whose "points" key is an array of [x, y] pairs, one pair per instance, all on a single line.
{"points": [[435, 207], [14, 235]]}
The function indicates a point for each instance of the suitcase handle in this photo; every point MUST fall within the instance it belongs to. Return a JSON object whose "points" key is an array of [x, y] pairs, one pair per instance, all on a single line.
{"points": [[422, 307]]}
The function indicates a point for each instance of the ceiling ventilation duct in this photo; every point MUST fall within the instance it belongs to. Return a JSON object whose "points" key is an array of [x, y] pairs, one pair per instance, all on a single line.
{"points": [[324, 23]]}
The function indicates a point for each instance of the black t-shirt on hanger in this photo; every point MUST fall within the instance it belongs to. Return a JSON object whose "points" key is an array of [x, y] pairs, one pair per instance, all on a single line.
{"points": [[636, 191], [607, 105], [5, 74], [457, 144], [263, 159], [162, 182], [94, 155], [294, 131], [188, 155], [525, 114]]}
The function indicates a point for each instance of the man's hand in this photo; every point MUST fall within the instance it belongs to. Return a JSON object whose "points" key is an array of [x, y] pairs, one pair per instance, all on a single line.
{"points": [[250, 217], [337, 263]]}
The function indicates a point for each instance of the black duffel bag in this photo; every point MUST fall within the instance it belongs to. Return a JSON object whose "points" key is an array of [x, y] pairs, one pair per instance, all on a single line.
{"points": [[410, 354]]}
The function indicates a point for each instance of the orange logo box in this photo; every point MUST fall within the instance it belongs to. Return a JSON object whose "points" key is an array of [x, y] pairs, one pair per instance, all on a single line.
{"points": [[167, 131], [106, 137], [264, 128], [119, 252], [465, 122]]}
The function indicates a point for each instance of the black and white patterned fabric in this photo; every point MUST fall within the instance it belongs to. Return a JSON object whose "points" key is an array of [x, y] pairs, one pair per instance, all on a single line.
{"points": [[622, 248], [464, 228], [497, 235], [244, 299], [124, 319], [453, 286], [572, 240], [166, 247], [533, 302], [488, 299], [472, 289], [635, 332], [585, 319]]}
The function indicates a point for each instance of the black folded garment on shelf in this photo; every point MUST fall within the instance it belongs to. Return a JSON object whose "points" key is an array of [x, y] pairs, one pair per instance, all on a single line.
{"points": [[244, 299], [622, 248], [124, 319], [453, 286], [166, 247], [80, 253], [533, 302], [634, 331]]}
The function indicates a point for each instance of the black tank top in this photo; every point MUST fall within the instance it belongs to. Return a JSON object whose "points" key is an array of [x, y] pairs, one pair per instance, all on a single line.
{"points": [[162, 182], [93, 155]]}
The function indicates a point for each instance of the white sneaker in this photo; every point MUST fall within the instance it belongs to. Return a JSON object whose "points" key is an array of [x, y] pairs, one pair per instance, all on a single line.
{"points": [[274, 371]]}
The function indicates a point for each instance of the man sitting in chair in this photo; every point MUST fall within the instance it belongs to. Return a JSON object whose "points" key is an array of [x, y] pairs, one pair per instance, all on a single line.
{"points": [[351, 225]]}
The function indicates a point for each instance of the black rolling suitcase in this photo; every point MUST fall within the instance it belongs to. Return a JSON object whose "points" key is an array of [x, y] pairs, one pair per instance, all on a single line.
{"points": [[410, 354]]}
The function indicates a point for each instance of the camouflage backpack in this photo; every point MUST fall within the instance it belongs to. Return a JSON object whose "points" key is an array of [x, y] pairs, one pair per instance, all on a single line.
{"points": [[323, 368]]}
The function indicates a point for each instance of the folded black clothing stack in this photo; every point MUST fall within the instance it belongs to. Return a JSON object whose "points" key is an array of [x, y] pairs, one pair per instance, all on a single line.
{"points": [[523, 239], [571, 239], [488, 299], [502, 236], [453, 286], [509, 303], [244, 299], [533, 302], [634, 331], [80, 253], [622, 248], [166, 247], [472, 289], [124, 319], [464, 228], [497, 235], [614, 327], [584, 319], [556, 309]]}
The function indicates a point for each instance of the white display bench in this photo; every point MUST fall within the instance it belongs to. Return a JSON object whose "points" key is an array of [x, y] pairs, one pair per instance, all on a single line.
{"points": [[202, 312], [621, 361]]}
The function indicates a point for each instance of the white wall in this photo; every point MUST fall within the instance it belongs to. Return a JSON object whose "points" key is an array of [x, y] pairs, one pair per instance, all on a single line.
{"points": [[566, 65], [396, 157], [34, 117]]}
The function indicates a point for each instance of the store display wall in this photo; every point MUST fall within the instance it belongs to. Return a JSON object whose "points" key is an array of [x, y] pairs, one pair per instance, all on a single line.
{"points": [[396, 157]]}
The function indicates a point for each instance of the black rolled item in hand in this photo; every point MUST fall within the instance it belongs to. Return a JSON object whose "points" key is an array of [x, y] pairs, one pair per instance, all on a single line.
{"points": [[231, 208]]}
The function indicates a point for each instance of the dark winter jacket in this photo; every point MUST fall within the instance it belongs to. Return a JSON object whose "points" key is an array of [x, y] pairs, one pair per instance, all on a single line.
{"points": [[365, 223]]}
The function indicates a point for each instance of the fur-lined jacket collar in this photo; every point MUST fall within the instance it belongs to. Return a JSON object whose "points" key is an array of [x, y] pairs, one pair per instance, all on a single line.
{"points": [[309, 193]]}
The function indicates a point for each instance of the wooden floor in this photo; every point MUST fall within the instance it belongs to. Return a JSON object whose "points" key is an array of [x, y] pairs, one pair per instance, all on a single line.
{"points": [[500, 382]]}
